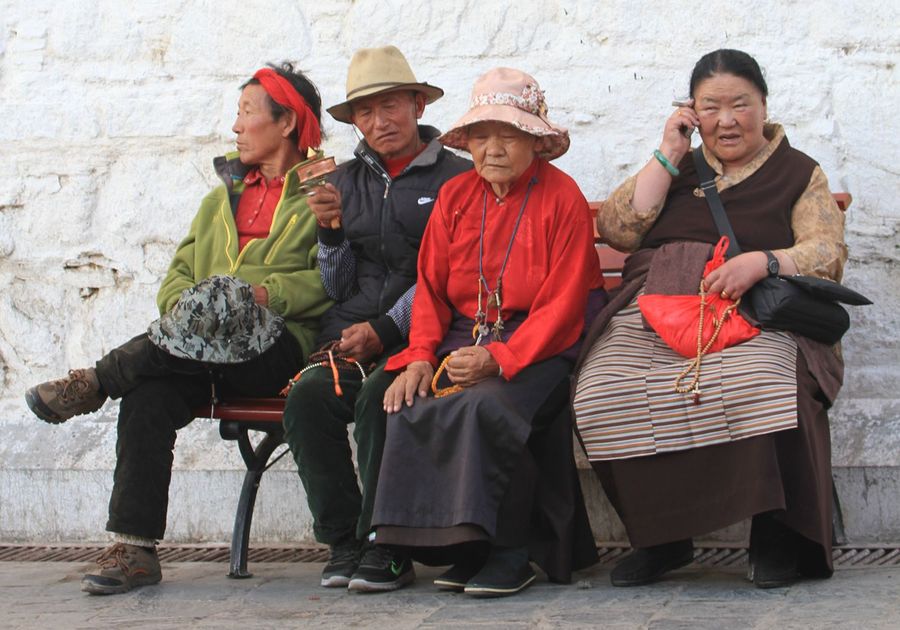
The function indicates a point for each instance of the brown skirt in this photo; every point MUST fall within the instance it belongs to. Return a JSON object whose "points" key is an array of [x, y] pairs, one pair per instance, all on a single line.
{"points": [[493, 463], [663, 498]]}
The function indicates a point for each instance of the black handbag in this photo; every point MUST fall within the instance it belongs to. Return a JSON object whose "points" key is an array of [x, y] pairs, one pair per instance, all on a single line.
{"points": [[804, 305]]}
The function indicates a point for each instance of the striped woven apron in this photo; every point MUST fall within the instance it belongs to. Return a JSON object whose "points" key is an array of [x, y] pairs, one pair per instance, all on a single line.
{"points": [[626, 404]]}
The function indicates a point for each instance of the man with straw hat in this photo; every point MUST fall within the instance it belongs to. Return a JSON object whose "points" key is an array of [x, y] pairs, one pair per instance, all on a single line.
{"points": [[239, 307], [371, 215]]}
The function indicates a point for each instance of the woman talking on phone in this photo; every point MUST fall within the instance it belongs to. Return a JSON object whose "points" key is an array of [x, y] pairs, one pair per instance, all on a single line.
{"points": [[751, 440]]}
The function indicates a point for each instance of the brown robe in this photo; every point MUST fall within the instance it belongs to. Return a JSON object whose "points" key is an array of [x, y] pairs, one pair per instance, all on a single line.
{"points": [[492, 463]]}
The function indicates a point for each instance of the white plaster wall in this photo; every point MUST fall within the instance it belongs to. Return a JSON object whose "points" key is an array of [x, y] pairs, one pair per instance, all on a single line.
{"points": [[111, 112]]}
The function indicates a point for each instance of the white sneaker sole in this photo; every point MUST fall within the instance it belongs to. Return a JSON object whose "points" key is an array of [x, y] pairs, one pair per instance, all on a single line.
{"points": [[362, 585], [335, 581]]}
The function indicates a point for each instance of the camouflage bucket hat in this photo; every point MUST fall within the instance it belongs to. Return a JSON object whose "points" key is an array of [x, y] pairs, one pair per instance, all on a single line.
{"points": [[217, 321]]}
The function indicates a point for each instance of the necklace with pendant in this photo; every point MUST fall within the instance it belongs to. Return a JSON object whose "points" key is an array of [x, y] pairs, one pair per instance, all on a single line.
{"points": [[494, 297]]}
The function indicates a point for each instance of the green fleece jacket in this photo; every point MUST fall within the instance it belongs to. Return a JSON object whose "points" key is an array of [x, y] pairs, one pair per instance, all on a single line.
{"points": [[284, 262]]}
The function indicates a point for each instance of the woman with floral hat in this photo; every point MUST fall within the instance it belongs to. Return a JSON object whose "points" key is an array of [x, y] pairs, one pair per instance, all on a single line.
{"points": [[482, 475]]}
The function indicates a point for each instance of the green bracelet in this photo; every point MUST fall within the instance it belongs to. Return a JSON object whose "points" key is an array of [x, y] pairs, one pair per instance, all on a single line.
{"points": [[673, 170]]}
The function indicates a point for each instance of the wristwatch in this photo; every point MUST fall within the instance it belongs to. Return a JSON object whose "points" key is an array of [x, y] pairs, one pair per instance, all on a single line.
{"points": [[772, 265]]}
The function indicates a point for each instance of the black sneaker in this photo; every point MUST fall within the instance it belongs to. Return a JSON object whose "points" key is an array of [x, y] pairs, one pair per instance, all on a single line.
{"points": [[648, 564], [341, 564], [382, 569]]}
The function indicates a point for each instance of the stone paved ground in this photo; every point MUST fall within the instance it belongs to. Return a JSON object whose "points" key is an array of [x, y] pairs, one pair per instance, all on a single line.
{"points": [[197, 595]]}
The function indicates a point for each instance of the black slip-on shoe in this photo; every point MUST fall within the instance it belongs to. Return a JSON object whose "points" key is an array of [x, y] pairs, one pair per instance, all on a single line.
{"points": [[456, 577], [648, 564], [774, 553], [506, 572]]}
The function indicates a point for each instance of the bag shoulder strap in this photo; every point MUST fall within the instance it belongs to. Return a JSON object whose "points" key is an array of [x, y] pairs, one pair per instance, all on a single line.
{"points": [[708, 186]]}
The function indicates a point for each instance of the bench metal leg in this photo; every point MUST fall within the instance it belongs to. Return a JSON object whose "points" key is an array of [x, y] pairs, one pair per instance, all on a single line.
{"points": [[257, 462], [243, 518]]}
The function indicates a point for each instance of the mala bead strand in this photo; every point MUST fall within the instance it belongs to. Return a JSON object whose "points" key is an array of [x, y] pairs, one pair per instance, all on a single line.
{"points": [[440, 392], [327, 358], [694, 365]]}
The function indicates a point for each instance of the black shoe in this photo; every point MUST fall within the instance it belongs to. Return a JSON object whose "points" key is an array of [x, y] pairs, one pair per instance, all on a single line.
{"points": [[456, 577], [648, 564], [341, 564], [506, 572], [774, 552], [382, 569]]}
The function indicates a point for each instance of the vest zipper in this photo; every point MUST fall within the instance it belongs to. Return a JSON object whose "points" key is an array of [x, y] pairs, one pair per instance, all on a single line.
{"points": [[387, 275]]}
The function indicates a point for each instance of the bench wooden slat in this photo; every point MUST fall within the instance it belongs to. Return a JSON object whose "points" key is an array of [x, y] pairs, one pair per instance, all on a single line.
{"points": [[240, 415], [245, 410]]}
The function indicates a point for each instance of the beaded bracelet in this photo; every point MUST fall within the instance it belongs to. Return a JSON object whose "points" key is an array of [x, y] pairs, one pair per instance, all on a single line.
{"points": [[673, 170]]}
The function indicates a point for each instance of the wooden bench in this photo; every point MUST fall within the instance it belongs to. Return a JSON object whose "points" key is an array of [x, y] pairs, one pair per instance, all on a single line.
{"points": [[238, 417]]}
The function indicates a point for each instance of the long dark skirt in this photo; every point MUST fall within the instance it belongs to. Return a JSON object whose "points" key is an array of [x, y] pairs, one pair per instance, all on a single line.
{"points": [[491, 463], [680, 495]]}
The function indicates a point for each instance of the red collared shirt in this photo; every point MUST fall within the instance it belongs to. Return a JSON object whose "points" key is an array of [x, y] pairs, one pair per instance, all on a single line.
{"points": [[395, 166], [257, 206]]}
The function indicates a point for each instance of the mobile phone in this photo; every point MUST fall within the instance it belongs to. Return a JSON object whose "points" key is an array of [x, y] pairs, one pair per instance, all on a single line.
{"points": [[685, 102]]}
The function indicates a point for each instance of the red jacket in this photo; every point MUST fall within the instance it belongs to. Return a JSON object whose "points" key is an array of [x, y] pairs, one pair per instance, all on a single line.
{"points": [[552, 266]]}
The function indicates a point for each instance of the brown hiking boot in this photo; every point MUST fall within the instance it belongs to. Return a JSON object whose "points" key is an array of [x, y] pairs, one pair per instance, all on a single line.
{"points": [[57, 401], [120, 568]]}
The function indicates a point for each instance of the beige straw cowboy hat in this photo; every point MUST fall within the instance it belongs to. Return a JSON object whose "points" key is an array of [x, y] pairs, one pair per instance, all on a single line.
{"points": [[377, 70], [513, 97]]}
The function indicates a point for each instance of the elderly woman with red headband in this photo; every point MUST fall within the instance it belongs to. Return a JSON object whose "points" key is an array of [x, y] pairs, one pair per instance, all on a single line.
{"points": [[248, 265], [482, 475]]}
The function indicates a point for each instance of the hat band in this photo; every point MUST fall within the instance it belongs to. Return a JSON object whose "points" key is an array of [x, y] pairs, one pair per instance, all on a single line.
{"points": [[369, 86], [531, 101]]}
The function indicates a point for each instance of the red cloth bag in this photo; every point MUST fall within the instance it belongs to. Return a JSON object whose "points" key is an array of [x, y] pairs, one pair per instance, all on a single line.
{"points": [[677, 318]]}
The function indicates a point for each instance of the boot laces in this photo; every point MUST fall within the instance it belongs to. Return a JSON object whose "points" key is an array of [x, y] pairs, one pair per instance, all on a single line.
{"points": [[76, 386], [113, 557]]}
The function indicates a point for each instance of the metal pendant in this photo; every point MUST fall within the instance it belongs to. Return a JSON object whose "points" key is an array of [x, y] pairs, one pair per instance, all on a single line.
{"points": [[497, 332]]}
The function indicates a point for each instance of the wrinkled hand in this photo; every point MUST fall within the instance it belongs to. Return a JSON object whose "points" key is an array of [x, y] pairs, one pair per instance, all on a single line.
{"points": [[737, 275], [415, 379], [261, 295], [325, 202], [470, 365], [361, 342], [676, 140]]}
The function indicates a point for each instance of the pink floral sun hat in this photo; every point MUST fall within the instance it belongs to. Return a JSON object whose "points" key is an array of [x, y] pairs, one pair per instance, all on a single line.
{"points": [[513, 97]]}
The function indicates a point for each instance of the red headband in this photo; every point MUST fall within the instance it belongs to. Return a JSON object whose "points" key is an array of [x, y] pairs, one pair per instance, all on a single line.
{"points": [[282, 92]]}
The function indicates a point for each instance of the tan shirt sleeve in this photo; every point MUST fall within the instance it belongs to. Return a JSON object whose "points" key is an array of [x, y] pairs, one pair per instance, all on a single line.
{"points": [[818, 226], [619, 224]]}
